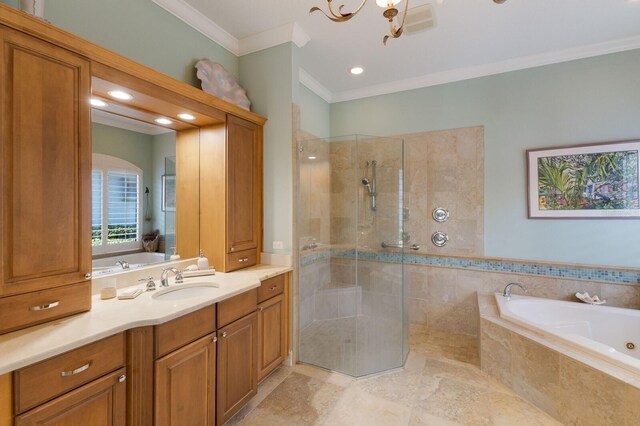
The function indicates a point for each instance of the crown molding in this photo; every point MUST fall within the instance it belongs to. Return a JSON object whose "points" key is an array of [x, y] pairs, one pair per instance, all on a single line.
{"points": [[254, 43], [274, 37], [314, 85], [501, 67], [199, 22]]}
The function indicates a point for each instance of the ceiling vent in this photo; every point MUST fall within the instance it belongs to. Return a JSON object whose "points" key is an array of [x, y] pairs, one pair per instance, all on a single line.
{"points": [[420, 18]]}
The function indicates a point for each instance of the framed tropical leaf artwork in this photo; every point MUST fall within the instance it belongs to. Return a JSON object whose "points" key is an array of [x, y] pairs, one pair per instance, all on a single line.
{"points": [[587, 181]]}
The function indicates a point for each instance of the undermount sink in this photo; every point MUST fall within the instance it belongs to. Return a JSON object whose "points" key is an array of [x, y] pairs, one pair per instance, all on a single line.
{"points": [[186, 291]]}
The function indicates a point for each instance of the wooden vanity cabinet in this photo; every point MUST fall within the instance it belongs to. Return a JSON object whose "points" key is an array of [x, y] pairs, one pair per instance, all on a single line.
{"points": [[271, 326], [101, 402], [243, 185], [86, 385], [45, 205], [185, 385], [185, 369], [231, 193], [237, 354], [237, 366]]}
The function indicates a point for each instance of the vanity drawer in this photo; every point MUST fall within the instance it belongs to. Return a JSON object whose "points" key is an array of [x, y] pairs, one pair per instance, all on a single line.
{"points": [[41, 306], [241, 259], [186, 329], [237, 307], [271, 287], [40, 382]]}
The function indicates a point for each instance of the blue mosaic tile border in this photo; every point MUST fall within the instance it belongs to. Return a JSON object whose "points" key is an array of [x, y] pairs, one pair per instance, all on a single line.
{"points": [[313, 257], [608, 275]]}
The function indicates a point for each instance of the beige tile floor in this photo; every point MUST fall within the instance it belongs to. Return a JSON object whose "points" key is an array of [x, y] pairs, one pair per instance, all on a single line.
{"points": [[440, 384]]}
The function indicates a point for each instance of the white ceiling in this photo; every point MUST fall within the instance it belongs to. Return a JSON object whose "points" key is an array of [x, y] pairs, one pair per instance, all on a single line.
{"points": [[472, 38]]}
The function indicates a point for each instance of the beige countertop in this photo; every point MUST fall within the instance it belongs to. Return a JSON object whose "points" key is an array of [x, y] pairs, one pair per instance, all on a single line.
{"points": [[108, 317]]}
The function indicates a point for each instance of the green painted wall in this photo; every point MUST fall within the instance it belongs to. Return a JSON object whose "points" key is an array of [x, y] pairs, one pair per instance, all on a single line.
{"points": [[315, 113], [145, 151], [267, 76], [590, 100], [134, 147], [140, 30], [162, 146]]}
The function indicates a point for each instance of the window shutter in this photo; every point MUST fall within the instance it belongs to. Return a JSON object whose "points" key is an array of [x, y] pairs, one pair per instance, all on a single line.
{"points": [[122, 207]]}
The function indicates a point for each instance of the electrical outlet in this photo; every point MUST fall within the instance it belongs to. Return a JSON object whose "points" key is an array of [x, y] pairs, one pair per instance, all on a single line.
{"points": [[278, 245]]}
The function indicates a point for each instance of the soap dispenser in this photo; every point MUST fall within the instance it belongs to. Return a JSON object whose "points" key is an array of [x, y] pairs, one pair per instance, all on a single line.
{"points": [[203, 262], [175, 255]]}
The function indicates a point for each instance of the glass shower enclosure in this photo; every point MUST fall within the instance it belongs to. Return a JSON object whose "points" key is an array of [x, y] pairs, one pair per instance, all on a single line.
{"points": [[353, 314]]}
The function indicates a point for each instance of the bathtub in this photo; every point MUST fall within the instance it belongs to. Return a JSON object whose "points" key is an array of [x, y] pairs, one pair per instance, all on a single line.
{"points": [[108, 265], [611, 334]]}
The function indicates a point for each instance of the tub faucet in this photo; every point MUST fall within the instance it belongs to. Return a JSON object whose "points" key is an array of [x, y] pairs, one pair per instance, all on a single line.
{"points": [[164, 278], [507, 289], [123, 263]]}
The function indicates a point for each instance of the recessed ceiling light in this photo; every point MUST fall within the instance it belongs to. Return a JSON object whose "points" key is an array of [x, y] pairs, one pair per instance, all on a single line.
{"points": [[312, 158], [356, 70], [185, 116], [119, 94], [164, 121], [97, 103]]}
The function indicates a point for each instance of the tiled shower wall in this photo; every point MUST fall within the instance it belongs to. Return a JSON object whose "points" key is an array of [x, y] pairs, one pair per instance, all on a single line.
{"points": [[441, 169], [446, 169]]}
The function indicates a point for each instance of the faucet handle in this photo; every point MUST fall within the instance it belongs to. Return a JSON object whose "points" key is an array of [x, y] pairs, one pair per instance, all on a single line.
{"points": [[151, 285], [179, 277]]}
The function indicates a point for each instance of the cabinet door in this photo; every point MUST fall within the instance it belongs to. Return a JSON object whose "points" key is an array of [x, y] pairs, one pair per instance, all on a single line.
{"points": [[45, 206], [237, 366], [185, 385], [243, 181], [101, 403], [271, 341]]}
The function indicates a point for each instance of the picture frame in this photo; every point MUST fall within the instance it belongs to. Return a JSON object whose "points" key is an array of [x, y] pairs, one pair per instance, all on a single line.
{"points": [[168, 193], [593, 181]]}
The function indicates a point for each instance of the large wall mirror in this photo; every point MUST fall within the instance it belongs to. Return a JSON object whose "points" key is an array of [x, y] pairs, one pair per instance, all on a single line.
{"points": [[138, 190]]}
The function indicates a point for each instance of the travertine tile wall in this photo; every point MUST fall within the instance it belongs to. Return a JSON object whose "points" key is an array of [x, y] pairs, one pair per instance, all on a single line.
{"points": [[570, 391], [446, 169], [445, 298], [313, 278]]}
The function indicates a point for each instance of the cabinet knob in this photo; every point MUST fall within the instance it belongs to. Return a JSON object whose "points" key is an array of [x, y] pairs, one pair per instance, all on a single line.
{"points": [[224, 334], [261, 308], [214, 339], [122, 378], [87, 276], [233, 249]]}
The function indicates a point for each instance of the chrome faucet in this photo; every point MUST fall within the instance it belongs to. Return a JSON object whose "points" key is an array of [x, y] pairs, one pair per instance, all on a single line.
{"points": [[507, 289], [123, 263], [164, 278]]}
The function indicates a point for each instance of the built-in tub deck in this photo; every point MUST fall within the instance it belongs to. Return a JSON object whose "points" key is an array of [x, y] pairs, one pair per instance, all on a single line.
{"points": [[563, 372]]}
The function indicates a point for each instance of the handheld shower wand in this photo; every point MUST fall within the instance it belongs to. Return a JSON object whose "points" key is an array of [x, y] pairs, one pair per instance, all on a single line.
{"points": [[371, 186], [367, 185]]}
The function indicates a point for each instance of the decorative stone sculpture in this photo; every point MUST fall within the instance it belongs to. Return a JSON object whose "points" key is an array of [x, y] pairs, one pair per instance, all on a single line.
{"points": [[219, 82], [33, 7]]}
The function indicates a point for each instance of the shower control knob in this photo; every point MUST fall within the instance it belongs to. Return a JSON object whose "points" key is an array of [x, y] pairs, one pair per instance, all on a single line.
{"points": [[440, 214], [439, 239]]}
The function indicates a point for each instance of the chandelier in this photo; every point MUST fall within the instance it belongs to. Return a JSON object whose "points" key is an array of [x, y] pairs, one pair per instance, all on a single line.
{"points": [[390, 13]]}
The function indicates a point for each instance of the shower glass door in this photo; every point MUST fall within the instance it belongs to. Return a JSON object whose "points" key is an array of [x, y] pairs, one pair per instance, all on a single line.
{"points": [[352, 298]]}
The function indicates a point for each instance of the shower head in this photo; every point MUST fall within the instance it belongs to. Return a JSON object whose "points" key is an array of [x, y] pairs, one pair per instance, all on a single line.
{"points": [[366, 183]]}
